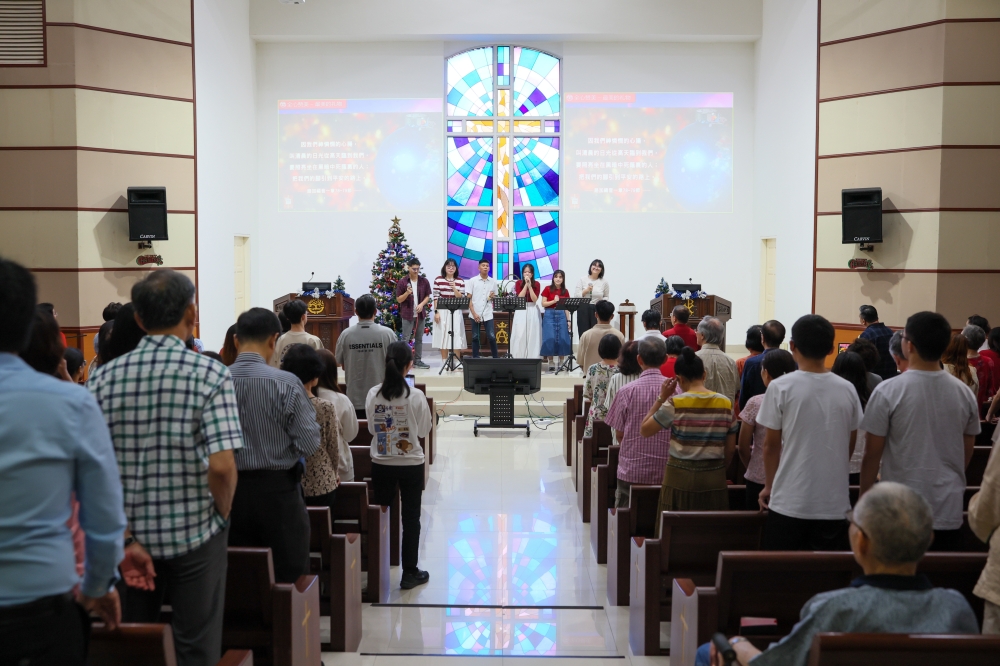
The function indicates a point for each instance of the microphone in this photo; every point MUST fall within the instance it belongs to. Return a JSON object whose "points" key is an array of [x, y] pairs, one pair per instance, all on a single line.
{"points": [[311, 276]]}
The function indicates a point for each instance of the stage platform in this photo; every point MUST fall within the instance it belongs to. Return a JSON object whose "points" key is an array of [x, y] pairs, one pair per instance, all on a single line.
{"points": [[450, 397]]}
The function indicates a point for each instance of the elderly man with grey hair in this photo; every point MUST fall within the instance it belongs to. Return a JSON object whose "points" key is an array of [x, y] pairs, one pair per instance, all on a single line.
{"points": [[891, 528], [896, 351], [721, 375]]}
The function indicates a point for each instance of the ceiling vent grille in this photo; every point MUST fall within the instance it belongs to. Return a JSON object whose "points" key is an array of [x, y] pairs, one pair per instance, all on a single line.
{"points": [[22, 32]]}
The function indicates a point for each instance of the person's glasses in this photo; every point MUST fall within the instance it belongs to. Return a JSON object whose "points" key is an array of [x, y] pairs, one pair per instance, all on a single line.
{"points": [[850, 518]]}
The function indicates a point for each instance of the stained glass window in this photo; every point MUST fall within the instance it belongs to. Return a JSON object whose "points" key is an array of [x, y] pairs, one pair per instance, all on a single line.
{"points": [[503, 175]]}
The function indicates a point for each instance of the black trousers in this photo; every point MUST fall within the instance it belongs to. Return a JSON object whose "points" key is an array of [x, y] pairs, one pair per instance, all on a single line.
{"points": [[269, 512], [196, 585], [51, 631], [753, 494], [410, 481], [787, 533], [361, 414], [586, 319], [327, 500]]}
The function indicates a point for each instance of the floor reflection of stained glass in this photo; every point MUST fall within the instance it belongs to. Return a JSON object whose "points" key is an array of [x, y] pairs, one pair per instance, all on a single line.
{"points": [[473, 631], [474, 572], [533, 638], [533, 568]]}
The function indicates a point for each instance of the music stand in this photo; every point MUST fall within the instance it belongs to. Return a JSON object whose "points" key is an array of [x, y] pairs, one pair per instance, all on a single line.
{"points": [[452, 303], [509, 304], [502, 379], [571, 305]]}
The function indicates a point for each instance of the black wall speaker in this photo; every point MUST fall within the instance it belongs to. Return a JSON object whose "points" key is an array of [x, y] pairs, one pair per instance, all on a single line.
{"points": [[861, 215], [147, 213]]}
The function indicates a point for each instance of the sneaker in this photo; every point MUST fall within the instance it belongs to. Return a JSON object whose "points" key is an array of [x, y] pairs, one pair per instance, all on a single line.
{"points": [[413, 578], [421, 365]]}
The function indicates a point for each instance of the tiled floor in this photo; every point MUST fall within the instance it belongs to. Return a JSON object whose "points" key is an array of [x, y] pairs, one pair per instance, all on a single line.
{"points": [[500, 527]]}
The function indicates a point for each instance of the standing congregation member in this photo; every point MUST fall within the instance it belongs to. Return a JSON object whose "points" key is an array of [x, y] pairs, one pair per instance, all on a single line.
{"points": [[175, 425], [328, 388], [889, 534], [753, 345], [361, 352], [448, 285], [398, 417], [922, 427], [702, 439], [851, 367], [526, 329], [675, 345], [870, 357], [279, 429], [879, 334], [752, 432], [413, 293], [651, 324], [985, 370], [556, 341], [320, 480], [720, 370], [482, 289], [597, 378], [597, 289], [297, 314], [984, 519], [679, 317], [896, 351], [955, 361], [772, 334], [812, 418], [53, 443], [641, 459], [628, 372], [992, 352], [586, 351], [981, 322], [228, 351]]}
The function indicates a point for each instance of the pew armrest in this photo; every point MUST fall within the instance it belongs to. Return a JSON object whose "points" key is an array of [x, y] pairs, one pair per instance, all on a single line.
{"points": [[295, 622], [693, 619], [378, 554], [236, 658], [644, 597]]}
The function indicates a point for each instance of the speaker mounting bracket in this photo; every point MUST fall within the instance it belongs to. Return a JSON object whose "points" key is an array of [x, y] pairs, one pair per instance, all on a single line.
{"points": [[866, 247], [145, 245]]}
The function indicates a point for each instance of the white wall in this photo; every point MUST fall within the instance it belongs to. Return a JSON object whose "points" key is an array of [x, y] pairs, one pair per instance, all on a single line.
{"points": [[785, 160], [227, 155], [638, 249]]}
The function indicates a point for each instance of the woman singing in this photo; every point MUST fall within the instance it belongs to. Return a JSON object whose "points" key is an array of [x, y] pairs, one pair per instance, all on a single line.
{"points": [[594, 287], [526, 331], [448, 284], [555, 323]]}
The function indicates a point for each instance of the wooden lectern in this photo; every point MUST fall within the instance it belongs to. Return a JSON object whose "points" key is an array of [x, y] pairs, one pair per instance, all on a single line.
{"points": [[328, 317], [713, 306]]}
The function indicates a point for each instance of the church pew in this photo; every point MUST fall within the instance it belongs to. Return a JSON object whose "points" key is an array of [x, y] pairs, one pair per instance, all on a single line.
{"points": [[355, 515], [637, 519], [579, 425], [985, 436], [829, 649], [363, 472], [977, 466], [278, 621], [428, 446], [338, 566], [146, 644], [591, 451], [364, 439], [603, 484], [775, 585], [569, 414]]}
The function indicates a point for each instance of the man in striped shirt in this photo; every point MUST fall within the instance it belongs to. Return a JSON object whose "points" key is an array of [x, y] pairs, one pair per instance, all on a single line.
{"points": [[279, 430], [641, 459]]}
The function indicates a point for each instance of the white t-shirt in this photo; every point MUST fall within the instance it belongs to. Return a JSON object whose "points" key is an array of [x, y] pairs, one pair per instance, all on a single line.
{"points": [[479, 290], [347, 420], [396, 426], [923, 415], [816, 413], [293, 338]]}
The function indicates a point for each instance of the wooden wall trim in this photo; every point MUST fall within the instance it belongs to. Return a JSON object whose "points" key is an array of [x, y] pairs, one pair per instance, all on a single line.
{"points": [[918, 26], [125, 34], [100, 150], [948, 209], [943, 146], [110, 269], [105, 90], [909, 270], [889, 91], [90, 210]]}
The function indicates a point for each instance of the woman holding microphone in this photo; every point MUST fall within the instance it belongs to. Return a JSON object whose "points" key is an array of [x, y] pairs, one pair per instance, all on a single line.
{"points": [[594, 287], [526, 330]]}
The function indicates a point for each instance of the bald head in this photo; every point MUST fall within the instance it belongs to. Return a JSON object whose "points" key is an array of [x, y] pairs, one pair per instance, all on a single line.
{"points": [[897, 520]]}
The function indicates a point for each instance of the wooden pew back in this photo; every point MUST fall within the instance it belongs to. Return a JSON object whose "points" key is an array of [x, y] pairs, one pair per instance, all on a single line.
{"points": [[977, 466], [830, 649], [147, 644], [692, 540]]}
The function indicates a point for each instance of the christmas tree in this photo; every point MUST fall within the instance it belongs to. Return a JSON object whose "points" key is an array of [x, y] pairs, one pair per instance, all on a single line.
{"points": [[387, 271], [339, 287]]}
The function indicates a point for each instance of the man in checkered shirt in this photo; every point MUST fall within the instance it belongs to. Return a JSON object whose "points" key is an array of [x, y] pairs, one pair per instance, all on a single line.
{"points": [[174, 422]]}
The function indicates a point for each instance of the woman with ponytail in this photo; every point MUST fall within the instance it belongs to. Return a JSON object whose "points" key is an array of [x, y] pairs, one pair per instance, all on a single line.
{"points": [[398, 417], [702, 439]]}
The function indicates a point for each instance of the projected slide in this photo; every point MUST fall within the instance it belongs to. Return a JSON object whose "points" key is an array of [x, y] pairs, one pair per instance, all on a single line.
{"points": [[649, 152], [359, 154]]}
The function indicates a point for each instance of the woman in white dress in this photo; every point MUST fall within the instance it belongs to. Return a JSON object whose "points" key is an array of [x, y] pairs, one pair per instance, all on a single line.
{"points": [[594, 287], [526, 331], [448, 284]]}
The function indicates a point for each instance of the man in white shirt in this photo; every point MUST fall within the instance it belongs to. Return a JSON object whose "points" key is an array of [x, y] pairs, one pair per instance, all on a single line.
{"points": [[922, 427], [482, 289], [297, 314], [651, 323], [812, 418]]}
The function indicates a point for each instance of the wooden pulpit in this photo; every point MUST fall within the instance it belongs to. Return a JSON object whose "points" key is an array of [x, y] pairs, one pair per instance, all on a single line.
{"points": [[713, 306], [328, 317]]}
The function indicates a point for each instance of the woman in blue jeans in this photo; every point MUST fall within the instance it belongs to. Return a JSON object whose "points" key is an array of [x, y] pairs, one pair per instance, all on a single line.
{"points": [[398, 417]]}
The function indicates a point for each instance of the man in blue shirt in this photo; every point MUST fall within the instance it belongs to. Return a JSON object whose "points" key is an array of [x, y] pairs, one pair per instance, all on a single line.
{"points": [[772, 334], [878, 334], [53, 443]]}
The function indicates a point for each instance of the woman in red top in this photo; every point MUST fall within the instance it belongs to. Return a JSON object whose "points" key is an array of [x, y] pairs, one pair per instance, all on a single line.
{"points": [[675, 344], [526, 329], [555, 323]]}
